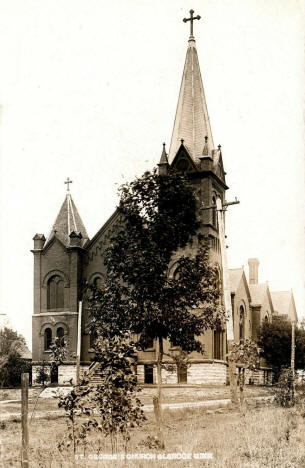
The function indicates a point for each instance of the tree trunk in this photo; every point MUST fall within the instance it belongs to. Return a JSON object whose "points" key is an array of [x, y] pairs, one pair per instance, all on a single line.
{"points": [[241, 387], [232, 376], [157, 400]]}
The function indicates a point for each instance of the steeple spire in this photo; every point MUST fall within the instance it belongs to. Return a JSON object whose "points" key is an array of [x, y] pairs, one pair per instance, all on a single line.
{"points": [[68, 220], [192, 122]]}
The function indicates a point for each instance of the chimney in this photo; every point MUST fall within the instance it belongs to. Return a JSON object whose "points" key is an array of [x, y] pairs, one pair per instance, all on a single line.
{"points": [[39, 240], [253, 270]]}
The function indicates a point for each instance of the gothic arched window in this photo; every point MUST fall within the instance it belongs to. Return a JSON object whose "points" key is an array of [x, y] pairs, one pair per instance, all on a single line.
{"points": [[214, 212], [47, 338], [55, 293], [60, 333], [218, 343], [241, 323], [98, 282], [93, 338]]}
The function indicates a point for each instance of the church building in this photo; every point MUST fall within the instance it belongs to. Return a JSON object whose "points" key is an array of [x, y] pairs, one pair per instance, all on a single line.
{"points": [[67, 257]]}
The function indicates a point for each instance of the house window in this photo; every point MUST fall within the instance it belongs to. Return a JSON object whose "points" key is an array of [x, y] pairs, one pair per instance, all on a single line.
{"points": [[148, 373], [218, 343], [149, 343], [182, 374], [55, 293], [60, 333], [174, 343], [47, 338], [241, 323]]}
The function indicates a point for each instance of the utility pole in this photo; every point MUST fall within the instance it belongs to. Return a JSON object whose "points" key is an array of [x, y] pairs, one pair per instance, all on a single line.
{"points": [[24, 420], [79, 334], [221, 208]]}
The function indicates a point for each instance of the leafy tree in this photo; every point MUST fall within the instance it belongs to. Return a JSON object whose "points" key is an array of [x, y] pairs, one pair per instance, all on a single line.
{"points": [[43, 376], [11, 369], [245, 355], [112, 407], [7, 338], [11, 362], [158, 222], [275, 342]]}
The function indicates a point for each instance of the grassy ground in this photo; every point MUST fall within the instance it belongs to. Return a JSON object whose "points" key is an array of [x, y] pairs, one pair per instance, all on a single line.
{"points": [[261, 437], [38, 407]]}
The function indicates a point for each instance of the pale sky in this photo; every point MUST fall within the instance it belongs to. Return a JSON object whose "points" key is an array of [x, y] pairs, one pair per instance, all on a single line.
{"points": [[89, 90]]}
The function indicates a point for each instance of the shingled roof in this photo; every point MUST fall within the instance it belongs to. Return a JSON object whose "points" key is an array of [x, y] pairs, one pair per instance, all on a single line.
{"points": [[192, 122], [283, 303], [235, 278], [258, 292], [67, 221]]}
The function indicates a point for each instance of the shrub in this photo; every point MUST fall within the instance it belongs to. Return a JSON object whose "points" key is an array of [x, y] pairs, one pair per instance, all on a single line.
{"points": [[284, 392]]}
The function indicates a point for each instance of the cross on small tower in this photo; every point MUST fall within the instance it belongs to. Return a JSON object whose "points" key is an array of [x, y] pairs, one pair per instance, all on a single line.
{"points": [[191, 19], [68, 182]]}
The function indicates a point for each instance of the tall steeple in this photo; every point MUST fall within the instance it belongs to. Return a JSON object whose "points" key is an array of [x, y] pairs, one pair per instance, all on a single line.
{"points": [[68, 220], [192, 122]]}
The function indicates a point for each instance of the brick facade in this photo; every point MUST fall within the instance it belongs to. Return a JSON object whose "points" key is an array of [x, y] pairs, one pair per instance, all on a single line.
{"points": [[67, 258]]}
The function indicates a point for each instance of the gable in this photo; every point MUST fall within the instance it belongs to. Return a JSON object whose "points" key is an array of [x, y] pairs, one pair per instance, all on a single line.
{"points": [[183, 161], [96, 247]]}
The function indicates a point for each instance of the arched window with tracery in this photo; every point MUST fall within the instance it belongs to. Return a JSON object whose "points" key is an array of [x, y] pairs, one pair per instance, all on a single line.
{"points": [[47, 338], [55, 292], [241, 323]]}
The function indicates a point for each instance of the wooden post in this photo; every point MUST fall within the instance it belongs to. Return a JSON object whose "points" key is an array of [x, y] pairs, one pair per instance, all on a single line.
{"points": [[293, 356], [227, 300], [79, 334], [24, 420], [293, 347]]}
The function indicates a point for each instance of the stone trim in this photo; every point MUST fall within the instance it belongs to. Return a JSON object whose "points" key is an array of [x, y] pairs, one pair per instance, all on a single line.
{"points": [[53, 273], [50, 314]]}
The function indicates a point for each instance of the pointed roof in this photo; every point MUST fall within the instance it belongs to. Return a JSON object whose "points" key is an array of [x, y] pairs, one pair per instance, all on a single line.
{"points": [[258, 292], [283, 303], [235, 275], [68, 220], [192, 122], [163, 159]]}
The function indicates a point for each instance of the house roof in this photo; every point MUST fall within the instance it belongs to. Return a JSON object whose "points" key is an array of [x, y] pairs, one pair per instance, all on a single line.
{"points": [[235, 276], [282, 301], [192, 122], [21, 349], [67, 221], [258, 292]]}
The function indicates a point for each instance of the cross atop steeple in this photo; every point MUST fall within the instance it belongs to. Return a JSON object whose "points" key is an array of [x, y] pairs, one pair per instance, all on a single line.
{"points": [[191, 19], [68, 182]]}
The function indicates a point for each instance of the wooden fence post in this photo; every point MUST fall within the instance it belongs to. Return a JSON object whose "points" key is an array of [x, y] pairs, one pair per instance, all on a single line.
{"points": [[24, 420]]}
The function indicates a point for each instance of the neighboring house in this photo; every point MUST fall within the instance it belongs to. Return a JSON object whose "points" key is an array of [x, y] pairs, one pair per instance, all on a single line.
{"points": [[22, 349], [284, 305], [241, 299]]}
